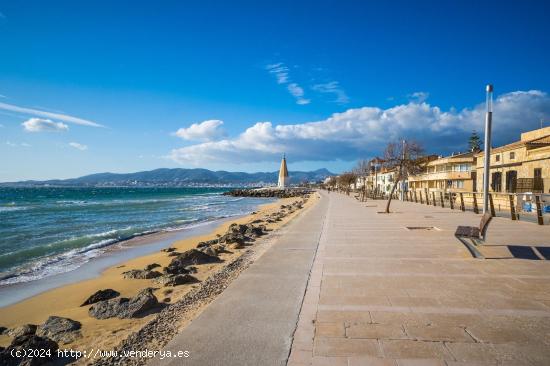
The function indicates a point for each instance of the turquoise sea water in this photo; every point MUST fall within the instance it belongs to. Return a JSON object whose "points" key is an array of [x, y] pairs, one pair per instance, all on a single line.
{"points": [[45, 231]]}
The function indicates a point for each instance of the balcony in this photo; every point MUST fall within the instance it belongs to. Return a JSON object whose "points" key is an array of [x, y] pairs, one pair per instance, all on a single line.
{"points": [[444, 175]]}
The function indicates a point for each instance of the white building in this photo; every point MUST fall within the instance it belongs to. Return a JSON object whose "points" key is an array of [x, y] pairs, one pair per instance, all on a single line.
{"points": [[283, 175]]}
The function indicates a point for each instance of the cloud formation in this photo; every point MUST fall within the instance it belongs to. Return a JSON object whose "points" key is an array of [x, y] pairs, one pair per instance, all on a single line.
{"points": [[39, 125], [363, 132], [78, 146], [15, 144], [281, 73], [46, 114], [332, 87], [209, 130], [419, 96]]}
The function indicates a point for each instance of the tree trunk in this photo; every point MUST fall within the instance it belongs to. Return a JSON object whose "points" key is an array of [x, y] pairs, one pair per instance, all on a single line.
{"points": [[391, 194]]}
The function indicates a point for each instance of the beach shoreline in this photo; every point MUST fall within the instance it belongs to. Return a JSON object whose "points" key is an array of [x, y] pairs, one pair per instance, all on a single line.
{"points": [[65, 300]]}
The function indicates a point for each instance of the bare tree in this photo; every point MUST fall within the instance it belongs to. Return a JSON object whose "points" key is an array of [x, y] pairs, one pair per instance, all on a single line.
{"points": [[407, 159], [346, 180], [362, 169], [332, 182]]}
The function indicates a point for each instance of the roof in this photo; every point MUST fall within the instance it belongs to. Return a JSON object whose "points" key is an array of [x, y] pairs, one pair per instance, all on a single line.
{"points": [[538, 142], [283, 171]]}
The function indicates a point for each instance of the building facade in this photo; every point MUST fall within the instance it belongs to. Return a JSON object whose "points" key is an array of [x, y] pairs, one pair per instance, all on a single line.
{"points": [[522, 166], [455, 173]]}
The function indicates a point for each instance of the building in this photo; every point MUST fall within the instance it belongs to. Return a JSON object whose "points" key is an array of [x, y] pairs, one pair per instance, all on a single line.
{"points": [[455, 173], [283, 174]]}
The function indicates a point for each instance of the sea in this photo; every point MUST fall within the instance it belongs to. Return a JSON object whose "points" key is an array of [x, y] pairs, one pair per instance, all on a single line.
{"points": [[50, 230]]}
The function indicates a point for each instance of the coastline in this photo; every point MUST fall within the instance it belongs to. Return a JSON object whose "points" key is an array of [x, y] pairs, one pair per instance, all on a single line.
{"points": [[65, 300]]}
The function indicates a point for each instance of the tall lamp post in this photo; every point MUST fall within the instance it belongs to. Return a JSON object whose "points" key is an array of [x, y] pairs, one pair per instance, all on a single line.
{"points": [[487, 147]]}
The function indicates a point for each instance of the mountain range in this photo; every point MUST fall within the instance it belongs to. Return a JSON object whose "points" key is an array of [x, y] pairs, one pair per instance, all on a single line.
{"points": [[178, 177]]}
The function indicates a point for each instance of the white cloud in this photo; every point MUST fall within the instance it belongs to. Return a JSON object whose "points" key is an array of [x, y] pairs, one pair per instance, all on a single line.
{"points": [[280, 71], [15, 144], [78, 146], [333, 87], [204, 131], [55, 116], [39, 125], [365, 131], [297, 92], [419, 96]]}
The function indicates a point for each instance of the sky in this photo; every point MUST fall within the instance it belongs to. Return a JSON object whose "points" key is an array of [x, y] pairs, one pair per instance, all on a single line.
{"points": [[123, 86]]}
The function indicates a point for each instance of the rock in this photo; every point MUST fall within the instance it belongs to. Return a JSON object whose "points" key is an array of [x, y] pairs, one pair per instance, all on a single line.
{"points": [[254, 231], [176, 280], [108, 308], [168, 250], [173, 254], [61, 330], [207, 243], [167, 291], [47, 347], [233, 237], [257, 221], [269, 192], [3, 330], [125, 308], [101, 295], [151, 266], [141, 274], [190, 257], [210, 251], [139, 304], [26, 329], [166, 299]]}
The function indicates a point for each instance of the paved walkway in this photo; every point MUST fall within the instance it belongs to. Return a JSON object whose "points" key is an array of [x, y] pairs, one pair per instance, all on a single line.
{"points": [[381, 294], [253, 320]]}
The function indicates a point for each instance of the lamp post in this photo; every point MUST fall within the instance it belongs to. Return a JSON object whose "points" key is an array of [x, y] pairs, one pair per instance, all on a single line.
{"points": [[487, 147]]}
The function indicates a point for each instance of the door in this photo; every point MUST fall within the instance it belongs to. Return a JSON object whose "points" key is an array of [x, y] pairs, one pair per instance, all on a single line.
{"points": [[511, 180]]}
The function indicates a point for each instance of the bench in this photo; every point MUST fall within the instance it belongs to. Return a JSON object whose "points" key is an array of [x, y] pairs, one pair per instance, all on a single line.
{"points": [[473, 234]]}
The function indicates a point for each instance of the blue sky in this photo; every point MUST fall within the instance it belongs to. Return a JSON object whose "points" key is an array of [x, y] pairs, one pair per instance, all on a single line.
{"points": [[327, 82]]}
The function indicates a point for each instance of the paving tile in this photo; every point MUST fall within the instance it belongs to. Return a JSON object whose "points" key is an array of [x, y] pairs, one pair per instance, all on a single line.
{"points": [[438, 333], [420, 362], [404, 349], [329, 361], [370, 361], [330, 330], [346, 347], [375, 331]]}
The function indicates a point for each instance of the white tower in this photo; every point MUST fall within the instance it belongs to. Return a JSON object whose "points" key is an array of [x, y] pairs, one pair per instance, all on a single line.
{"points": [[283, 174]]}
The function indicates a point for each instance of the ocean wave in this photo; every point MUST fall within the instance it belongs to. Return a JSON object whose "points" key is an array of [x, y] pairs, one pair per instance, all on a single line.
{"points": [[13, 208]]}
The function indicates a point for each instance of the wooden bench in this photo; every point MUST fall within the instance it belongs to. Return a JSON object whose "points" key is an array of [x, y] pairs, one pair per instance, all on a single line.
{"points": [[473, 234]]}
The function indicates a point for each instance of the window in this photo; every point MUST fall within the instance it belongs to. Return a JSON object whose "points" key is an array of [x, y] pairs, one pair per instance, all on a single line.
{"points": [[512, 155], [497, 158], [538, 183], [496, 181], [511, 180], [459, 184]]}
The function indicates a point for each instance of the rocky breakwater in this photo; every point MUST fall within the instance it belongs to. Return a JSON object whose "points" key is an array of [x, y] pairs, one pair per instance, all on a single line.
{"points": [[269, 192]]}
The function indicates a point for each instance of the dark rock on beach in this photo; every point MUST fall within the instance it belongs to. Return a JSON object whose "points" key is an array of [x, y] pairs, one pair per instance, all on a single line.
{"points": [[142, 274], [125, 308], [190, 257], [62, 330], [269, 192], [176, 280], [47, 347], [26, 329], [101, 295]]}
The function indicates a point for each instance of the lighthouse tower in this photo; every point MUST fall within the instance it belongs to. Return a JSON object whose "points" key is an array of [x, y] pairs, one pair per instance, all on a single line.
{"points": [[283, 174]]}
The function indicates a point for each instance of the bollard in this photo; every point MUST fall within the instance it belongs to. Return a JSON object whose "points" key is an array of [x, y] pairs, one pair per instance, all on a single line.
{"points": [[540, 219], [512, 208], [491, 205], [462, 207], [427, 196], [433, 199], [451, 202], [476, 209], [441, 198], [421, 200], [415, 199]]}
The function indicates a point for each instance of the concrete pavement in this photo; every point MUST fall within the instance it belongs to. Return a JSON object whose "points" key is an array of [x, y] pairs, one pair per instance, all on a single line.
{"points": [[385, 291]]}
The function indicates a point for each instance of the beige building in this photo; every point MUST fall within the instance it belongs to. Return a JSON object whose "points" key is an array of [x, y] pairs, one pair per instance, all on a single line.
{"points": [[522, 166], [454, 173]]}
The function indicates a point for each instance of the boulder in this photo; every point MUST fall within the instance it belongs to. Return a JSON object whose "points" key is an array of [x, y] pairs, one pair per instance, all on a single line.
{"points": [[61, 330], [176, 280], [190, 257], [101, 295], [26, 329], [139, 304], [47, 347], [168, 250], [207, 243], [108, 308], [209, 250], [3, 330], [173, 254], [125, 308], [151, 266], [141, 274], [254, 231]]}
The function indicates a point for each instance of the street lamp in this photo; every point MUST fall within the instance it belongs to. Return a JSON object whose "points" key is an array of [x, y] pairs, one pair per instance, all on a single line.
{"points": [[487, 147]]}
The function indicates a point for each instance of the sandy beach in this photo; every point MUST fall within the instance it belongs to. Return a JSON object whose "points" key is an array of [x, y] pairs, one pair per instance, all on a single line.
{"points": [[106, 334]]}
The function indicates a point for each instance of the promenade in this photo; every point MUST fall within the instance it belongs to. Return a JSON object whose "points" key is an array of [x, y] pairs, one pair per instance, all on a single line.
{"points": [[346, 285]]}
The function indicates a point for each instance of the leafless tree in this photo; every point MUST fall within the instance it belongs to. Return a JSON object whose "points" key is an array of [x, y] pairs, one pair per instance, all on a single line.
{"points": [[407, 158], [345, 180], [362, 169]]}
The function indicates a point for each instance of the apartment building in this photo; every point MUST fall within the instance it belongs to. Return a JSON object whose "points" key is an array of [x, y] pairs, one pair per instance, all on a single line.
{"points": [[455, 173]]}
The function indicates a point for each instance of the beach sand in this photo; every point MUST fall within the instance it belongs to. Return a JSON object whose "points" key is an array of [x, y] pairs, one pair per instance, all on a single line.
{"points": [[105, 334]]}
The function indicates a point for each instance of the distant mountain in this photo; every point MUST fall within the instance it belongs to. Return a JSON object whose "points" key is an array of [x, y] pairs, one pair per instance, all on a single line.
{"points": [[178, 178]]}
